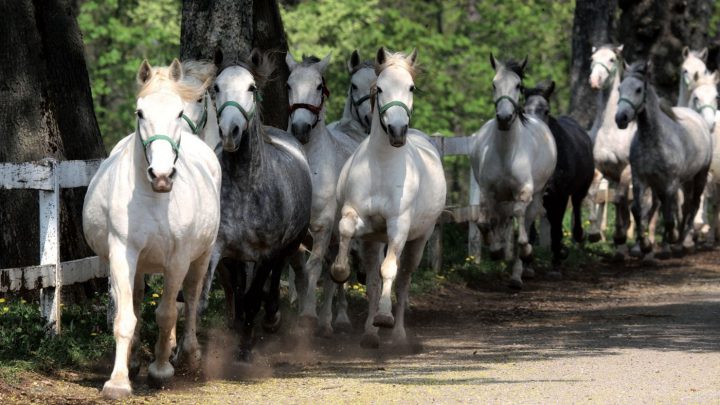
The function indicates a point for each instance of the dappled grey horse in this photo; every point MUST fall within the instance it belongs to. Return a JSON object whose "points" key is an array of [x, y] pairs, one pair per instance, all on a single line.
{"points": [[671, 151], [357, 114], [265, 197], [574, 170]]}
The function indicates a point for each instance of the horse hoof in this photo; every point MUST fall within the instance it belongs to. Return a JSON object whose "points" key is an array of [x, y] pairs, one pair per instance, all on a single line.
{"points": [[525, 250], [272, 325], [339, 274], [515, 284], [662, 255], [564, 253], [245, 356], [496, 254], [158, 377], [325, 332], [343, 327], [133, 371], [594, 237], [308, 321], [636, 252], [157, 382], [383, 320], [116, 389], [619, 240], [369, 341], [361, 277], [553, 275], [528, 273]]}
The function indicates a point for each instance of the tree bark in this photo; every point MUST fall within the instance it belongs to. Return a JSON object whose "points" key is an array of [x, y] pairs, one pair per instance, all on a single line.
{"points": [[236, 27], [658, 30], [46, 110], [592, 26]]}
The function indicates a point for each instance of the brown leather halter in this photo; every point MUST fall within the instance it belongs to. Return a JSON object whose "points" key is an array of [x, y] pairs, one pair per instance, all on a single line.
{"points": [[315, 109]]}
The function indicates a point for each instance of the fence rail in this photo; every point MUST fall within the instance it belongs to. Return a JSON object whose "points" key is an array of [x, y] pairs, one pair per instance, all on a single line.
{"points": [[49, 177]]}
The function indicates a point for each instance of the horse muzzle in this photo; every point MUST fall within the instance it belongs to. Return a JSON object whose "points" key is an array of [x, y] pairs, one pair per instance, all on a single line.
{"points": [[622, 120], [301, 131], [397, 135], [504, 121], [162, 184]]}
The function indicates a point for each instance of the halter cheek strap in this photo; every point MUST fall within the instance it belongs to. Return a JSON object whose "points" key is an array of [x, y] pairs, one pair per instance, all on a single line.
{"points": [[315, 109], [383, 108], [636, 107], [611, 72], [161, 137], [248, 115], [196, 128]]}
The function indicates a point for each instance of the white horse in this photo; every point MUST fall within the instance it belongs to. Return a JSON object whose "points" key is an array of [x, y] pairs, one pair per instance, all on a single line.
{"points": [[703, 99], [199, 116], [357, 115], [612, 144], [154, 207], [692, 67], [392, 190], [326, 151], [512, 156]]}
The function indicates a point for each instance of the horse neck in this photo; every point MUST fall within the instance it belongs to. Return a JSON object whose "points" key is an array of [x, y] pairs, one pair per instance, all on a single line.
{"points": [[140, 164], [348, 110], [507, 141], [648, 120], [319, 135], [250, 156], [683, 94], [607, 104], [211, 133]]}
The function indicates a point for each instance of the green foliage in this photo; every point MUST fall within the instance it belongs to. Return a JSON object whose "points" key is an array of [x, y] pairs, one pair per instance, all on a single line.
{"points": [[455, 81], [118, 35]]}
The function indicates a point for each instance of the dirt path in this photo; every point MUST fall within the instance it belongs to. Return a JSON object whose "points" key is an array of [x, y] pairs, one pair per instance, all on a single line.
{"points": [[610, 334]]}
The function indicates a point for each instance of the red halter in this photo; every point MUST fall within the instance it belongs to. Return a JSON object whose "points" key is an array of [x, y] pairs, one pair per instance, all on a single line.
{"points": [[315, 109]]}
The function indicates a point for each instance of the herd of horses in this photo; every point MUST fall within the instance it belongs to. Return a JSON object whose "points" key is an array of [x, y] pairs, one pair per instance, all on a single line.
{"points": [[202, 185]]}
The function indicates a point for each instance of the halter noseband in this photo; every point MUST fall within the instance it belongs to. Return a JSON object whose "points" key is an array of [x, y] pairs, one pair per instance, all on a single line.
{"points": [[160, 137], [315, 109], [516, 106], [636, 107], [247, 114], [611, 72], [196, 128], [383, 108]]}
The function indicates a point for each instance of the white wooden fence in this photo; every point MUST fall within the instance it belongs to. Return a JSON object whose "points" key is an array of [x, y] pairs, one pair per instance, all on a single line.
{"points": [[49, 177]]}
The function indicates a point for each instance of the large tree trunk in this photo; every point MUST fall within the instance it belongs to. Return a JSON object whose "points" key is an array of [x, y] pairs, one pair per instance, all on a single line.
{"points": [[659, 29], [236, 27], [46, 110], [592, 26]]}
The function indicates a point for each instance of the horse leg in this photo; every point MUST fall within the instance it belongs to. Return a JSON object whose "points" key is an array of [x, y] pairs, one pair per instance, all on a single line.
{"points": [[123, 266], [555, 207], [594, 209], [645, 246], [372, 256], [397, 232], [271, 321], [160, 370], [693, 198], [207, 284], [325, 328], [523, 248], [138, 295], [296, 277], [577, 228], [192, 288], [409, 261], [321, 239], [667, 200], [349, 222], [534, 209], [622, 215], [251, 303], [342, 320]]}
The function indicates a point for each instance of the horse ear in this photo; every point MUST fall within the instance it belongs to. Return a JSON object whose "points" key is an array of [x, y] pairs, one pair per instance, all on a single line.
{"points": [[353, 61], [218, 57], [648, 69], [685, 52], [627, 66], [176, 70], [323, 64], [524, 63], [381, 56], [412, 58], [703, 54], [256, 57], [549, 91], [144, 73], [493, 61], [619, 49], [290, 61], [593, 49]]}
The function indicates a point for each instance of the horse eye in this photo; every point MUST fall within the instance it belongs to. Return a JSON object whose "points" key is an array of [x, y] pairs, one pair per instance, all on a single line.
{"points": [[319, 87], [379, 90], [140, 114], [637, 91], [216, 88], [612, 60], [288, 87], [493, 86], [252, 88], [199, 100], [353, 86], [412, 89]]}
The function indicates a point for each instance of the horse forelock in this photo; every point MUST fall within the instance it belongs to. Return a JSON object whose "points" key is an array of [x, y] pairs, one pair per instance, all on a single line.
{"points": [[187, 88], [368, 64], [398, 59], [515, 67]]}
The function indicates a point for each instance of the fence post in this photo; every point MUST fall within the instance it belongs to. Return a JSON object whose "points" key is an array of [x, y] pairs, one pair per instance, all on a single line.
{"points": [[435, 248], [474, 237], [49, 202]]}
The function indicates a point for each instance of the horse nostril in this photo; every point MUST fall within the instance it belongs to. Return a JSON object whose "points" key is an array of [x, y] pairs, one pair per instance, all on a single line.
{"points": [[236, 130], [403, 130], [220, 132], [391, 129], [151, 173], [172, 174]]}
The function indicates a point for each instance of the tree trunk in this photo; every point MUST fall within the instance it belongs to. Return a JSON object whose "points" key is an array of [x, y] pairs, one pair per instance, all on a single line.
{"points": [[592, 26], [46, 110], [236, 27], [659, 29]]}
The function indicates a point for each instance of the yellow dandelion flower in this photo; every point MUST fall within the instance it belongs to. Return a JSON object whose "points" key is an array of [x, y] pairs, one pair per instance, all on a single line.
{"points": [[22, 301], [153, 303], [155, 295], [93, 334], [2, 300], [6, 309]]}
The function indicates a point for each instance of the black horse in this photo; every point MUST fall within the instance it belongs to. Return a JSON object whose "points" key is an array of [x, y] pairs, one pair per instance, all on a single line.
{"points": [[573, 172]]}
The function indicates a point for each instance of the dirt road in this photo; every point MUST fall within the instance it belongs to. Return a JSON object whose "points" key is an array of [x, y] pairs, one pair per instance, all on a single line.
{"points": [[609, 334]]}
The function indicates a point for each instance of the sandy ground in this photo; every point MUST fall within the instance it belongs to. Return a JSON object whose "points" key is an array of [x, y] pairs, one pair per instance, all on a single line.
{"points": [[608, 334]]}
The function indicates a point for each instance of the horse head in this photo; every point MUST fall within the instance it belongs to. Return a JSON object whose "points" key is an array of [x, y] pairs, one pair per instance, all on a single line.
{"points": [[537, 101], [362, 78], [507, 89], [633, 93], [703, 98], [693, 65], [237, 95], [393, 95], [306, 94], [159, 126]]}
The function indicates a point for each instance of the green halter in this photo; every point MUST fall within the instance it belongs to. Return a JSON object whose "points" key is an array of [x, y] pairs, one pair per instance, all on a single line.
{"points": [[611, 72], [704, 106], [160, 137], [395, 103], [636, 107], [247, 114], [196, 128]]}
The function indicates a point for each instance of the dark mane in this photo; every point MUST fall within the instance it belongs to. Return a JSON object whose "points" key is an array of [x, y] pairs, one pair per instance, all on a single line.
{"points": [[308, 60], [516, 67], [262, 71], [534, 91], [638, 69]]}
